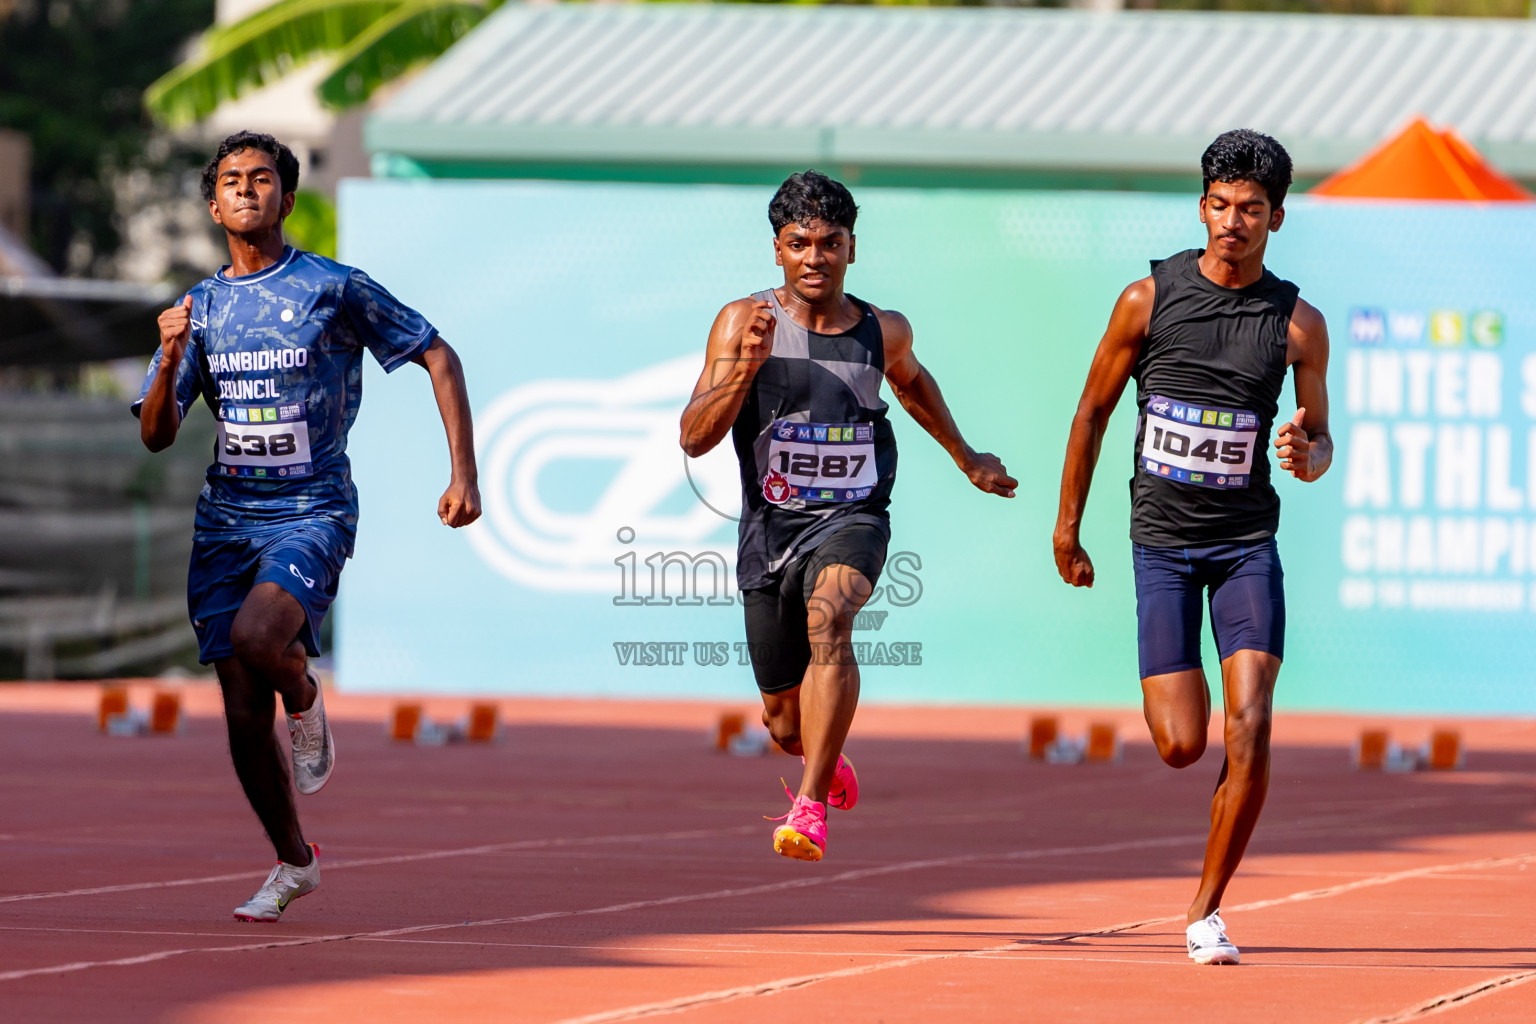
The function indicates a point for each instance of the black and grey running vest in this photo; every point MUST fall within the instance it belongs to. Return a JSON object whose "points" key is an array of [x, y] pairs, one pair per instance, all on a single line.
{"points": [[1208, 384], [815, 448]]}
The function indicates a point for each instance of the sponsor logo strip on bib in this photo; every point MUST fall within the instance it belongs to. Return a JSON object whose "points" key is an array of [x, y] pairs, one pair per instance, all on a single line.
{"points": [[820, 461], [270, 441], [1199, 444]]}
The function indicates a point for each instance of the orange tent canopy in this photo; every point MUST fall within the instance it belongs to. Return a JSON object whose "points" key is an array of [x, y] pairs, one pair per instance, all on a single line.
{"points": [[1421, 162]]}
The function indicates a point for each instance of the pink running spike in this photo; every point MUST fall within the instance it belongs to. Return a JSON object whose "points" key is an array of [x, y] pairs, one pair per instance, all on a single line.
{"points": [[803, 836], [845, 785]]}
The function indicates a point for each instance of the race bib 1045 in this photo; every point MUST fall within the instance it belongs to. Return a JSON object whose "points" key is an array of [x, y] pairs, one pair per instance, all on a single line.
{"points": [[819, 461], [269, 441], [1199, 444]]}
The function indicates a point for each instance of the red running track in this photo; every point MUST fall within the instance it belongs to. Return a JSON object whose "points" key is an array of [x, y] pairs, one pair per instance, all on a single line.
{"points": [[603, 864]]}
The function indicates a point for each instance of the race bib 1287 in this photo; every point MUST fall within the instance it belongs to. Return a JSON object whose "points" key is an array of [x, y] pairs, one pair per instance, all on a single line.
{"points": [[269, 441], [1199, 444], [819, 461]]}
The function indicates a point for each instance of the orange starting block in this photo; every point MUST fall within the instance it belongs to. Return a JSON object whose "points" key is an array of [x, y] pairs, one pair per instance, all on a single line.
{"points": [[114, 701], [1443, 752], [405, 722], [484, 725], [1042, 733], [409, 723], [116, 715], [1370, 753], [728, 727], [165, 713], [1375, 751], [1103, 743]]}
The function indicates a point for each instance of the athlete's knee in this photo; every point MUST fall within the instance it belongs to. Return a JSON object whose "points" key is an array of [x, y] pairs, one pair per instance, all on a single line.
{"points": [[257, 645], [784, 727], [829, 620], [1180, 751], [1248, 730]]}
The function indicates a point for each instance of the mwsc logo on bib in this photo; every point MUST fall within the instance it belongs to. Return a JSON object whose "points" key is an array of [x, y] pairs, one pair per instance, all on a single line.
{"points": [[547, 445]]}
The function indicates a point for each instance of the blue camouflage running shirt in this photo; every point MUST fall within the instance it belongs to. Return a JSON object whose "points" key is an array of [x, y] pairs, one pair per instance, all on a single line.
{"points": [[278, 357]]}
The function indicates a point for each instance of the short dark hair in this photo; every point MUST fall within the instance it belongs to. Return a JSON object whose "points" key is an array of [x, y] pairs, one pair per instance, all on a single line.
{"points": [[808, 196], [287, 163], [1245, 155]]}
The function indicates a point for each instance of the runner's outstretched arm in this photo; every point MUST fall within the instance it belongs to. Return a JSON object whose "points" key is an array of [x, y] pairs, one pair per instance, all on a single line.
{"points": [[1304, 446], [460, 503], [160, 416], [1111, 369], [740, 340], [918, 393]]}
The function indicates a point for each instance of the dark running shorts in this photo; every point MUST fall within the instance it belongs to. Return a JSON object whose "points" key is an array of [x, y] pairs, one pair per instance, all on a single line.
{"points": [[1247, 602], [305, 560], [778, 618]]}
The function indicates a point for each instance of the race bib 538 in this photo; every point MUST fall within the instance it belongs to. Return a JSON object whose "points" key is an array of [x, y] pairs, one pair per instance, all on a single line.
{"points": [[819, 461], [264, 441], [1199, 444]]}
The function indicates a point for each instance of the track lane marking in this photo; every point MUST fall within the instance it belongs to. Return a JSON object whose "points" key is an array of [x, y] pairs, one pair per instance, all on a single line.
{"points": [[403, 858], [1455, 1000], [685, 1003], [770, 887], [613, 908]]}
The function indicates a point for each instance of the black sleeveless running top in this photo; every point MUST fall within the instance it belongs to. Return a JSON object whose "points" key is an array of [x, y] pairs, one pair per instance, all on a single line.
{"points": [[815, 449], [1208, 384]]}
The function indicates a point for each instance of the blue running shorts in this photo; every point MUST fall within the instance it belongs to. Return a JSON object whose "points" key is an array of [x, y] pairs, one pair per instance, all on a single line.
{"points": [[1247, 590], [305, 558]]}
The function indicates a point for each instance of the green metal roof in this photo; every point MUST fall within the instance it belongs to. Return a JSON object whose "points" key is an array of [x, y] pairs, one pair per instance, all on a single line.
{"points": [[941, 90]]}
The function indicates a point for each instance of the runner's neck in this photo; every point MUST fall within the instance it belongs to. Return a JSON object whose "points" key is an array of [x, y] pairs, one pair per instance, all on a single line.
{"points": [[837, 314], [255, 253], [1234, 275]]}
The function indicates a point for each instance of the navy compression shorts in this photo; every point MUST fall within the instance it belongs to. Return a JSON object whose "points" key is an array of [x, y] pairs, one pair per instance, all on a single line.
{"points": [[1247, 597]]}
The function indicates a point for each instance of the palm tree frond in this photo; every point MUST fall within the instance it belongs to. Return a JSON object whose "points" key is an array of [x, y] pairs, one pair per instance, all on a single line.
{"points": [[257, 51], [417, 31]]}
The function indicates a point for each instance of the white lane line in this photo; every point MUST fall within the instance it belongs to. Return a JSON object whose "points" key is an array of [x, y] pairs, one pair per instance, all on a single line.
{"points": [[806, 882], [1387, 879], [1320, 826], [1149, 960], [404, 858], [615, 908], [766, 988], [701, 999], [610, 949], [1455, 1000], [109, 931]]}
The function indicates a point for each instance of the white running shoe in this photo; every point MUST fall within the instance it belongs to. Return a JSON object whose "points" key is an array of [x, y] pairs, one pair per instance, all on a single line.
{"points": [[286, 883], [314, 750], [1208, 942]]}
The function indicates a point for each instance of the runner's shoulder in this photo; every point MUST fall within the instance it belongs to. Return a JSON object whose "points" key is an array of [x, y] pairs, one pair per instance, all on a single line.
{"points": [[1138, 295], [1132, 317], [1308, 319], [733, 316], [322, 269], [893, 325]]}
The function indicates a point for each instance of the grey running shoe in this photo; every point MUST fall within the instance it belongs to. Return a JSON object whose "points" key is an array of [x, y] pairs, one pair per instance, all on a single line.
{"points": [[314, 751], [1208, 942], [286, 883]]}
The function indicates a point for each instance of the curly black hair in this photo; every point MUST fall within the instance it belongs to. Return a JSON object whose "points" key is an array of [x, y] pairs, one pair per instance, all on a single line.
{"points": [[808, 196], [287, 163], [1245, 155]]}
